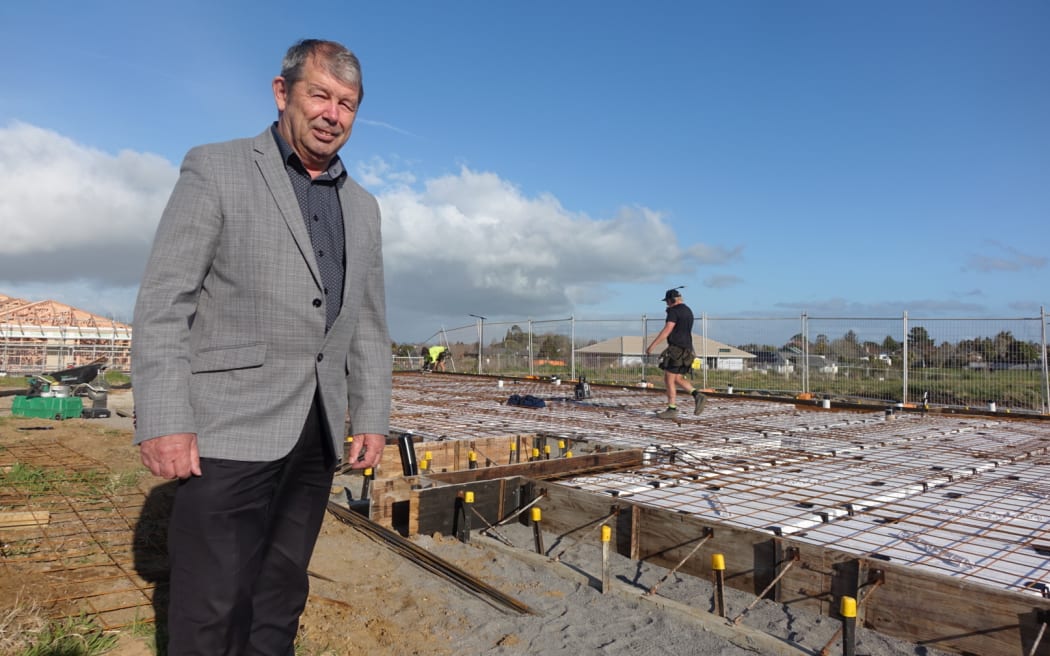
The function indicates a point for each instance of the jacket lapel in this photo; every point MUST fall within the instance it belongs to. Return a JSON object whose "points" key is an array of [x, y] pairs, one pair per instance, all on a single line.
{"points": [[268, 159]]}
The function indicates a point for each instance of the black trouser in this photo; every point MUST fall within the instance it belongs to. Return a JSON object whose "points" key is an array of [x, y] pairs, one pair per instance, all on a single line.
{"points": [[239, 542]]}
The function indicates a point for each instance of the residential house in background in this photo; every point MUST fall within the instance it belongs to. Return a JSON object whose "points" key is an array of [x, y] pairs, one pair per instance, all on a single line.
{"points": [[776, 362], [628, 350]]}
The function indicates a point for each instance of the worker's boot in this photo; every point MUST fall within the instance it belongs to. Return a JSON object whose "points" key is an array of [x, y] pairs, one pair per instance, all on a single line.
{"points": [[668, 413], [699, 400]]}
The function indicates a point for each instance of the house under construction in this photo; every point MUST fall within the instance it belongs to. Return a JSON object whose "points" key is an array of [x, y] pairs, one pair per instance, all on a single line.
{"points": [[40, 336], [935, 523]]}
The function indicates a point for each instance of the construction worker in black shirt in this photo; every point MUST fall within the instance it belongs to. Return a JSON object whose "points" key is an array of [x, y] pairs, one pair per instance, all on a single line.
{"points": [[677, 359]]}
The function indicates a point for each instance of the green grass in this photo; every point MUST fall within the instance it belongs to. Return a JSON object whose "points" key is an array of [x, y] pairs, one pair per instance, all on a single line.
{"points": [[115, 378], [74, 636], [34, 481], [38, 481], [12, 382], [109, 378], [24, 631], [124, 480], [148, 632]]}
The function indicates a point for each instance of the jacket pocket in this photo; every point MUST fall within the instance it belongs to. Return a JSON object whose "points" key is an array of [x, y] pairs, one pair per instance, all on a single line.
{"points": [[226, 358]]}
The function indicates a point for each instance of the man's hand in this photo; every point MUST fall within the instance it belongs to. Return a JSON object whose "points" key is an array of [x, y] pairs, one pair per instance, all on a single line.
{"points": [[172, 456], [370, 445]]}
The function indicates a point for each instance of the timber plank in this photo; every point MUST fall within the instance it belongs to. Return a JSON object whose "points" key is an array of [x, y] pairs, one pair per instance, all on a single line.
{"points": [[665, 537], [570, 511], [17, 519], [540, 469], [441, 509], [952, 614], [390, 499], [820, 579]]}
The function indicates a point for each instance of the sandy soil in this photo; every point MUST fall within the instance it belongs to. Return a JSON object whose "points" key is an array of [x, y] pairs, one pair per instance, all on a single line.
{"points": [[367, 599]]}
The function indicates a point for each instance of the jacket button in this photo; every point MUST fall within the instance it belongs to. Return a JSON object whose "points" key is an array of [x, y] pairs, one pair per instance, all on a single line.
{"points": [[317, 302], [320, 356]]}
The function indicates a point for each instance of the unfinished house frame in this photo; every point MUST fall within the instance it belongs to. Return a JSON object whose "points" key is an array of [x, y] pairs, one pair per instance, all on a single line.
{"points": [[43, 336]]}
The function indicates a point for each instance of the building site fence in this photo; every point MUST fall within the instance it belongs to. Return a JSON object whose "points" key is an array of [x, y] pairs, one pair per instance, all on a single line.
{"points": [[36, 350], [988, 363]]}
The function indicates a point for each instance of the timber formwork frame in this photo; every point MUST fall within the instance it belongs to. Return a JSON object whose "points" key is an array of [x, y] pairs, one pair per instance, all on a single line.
{"points": [[938, 524]]}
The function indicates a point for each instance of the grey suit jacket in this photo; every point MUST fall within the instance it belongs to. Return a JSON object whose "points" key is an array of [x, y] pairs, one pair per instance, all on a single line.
{"points": [[229, 340]]}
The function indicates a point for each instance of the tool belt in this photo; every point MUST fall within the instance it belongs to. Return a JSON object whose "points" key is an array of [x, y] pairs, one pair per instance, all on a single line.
{"points": [[676, 357]]}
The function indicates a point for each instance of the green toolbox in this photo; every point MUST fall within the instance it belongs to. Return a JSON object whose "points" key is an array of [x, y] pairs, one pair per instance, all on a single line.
{"points": [[48, 407]]}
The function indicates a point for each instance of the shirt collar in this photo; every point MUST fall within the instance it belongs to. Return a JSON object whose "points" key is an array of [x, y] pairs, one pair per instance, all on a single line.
{"points": [[291, 158]]}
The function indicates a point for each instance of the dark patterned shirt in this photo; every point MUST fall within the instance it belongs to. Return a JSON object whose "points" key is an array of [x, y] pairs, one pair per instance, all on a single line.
{"points": [[319, 201]]}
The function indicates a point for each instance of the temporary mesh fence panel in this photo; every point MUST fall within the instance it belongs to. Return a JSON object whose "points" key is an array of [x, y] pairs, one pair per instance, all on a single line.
{"points": [[855, 357], [508, 346], [611, 351], [982, 363], [998, 363]]}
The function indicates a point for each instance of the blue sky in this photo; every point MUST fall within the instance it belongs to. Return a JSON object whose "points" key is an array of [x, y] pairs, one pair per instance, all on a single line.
{"points": [[542, 159]]}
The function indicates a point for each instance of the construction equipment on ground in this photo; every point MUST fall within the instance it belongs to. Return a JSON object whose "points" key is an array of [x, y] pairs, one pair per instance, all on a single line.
{"points": [[59, 395]]}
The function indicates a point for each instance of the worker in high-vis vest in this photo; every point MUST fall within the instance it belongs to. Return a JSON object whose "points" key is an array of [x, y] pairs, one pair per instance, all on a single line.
{"points": [[438, 354]]}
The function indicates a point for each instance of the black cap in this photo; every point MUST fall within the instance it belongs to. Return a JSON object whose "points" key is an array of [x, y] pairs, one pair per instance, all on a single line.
{"points": [[672, 294]]}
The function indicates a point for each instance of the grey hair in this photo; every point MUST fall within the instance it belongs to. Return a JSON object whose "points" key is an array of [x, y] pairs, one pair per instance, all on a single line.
{"points": [[336, 58]]}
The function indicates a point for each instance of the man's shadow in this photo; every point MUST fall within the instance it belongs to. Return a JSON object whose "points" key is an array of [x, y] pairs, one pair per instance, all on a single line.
{"points": [[150, 548]]}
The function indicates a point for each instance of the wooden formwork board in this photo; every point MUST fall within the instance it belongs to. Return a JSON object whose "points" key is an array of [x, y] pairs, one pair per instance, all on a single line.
{"points": [[392, 504], [448, 513], [389, 507], [821, 577], [454, 455], [542, 469], [896, 600], [391, 491], [569, 512], [942, 611]]}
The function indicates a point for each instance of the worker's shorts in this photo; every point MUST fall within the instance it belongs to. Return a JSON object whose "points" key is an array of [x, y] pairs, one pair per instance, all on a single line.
{"points": [[677, 360]]}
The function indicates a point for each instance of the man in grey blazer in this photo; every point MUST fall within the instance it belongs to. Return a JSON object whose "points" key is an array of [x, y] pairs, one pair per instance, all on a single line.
{"points": [[260, 326]]}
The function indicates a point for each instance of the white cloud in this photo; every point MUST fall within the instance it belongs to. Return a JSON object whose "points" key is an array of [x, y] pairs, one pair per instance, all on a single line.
{"points": [[70, 212], [722, 282], [841, 307], [377, 172], [78, 223], [1007, 259], [473, 242]]}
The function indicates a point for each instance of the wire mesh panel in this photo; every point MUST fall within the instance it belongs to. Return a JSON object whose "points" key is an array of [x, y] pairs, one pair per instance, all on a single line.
{"points": [[753, 354], [993, 364], [509, 346], [611, 351], [856, 357], [552, 352]]}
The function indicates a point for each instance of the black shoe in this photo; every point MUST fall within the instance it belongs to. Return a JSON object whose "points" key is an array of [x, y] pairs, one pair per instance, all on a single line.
{"points": [[668, 413], [699, 400]]}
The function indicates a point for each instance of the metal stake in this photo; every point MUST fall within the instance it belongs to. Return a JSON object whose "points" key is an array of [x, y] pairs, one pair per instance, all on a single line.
{"points": [[718, 565], [537, 516]]}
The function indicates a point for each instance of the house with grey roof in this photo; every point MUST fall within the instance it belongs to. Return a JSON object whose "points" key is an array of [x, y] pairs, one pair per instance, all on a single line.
{"points": [[628, 351]]}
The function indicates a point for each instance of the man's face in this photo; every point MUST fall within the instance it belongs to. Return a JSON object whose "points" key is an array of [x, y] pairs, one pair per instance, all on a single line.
{"points": [[317, 114]]}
